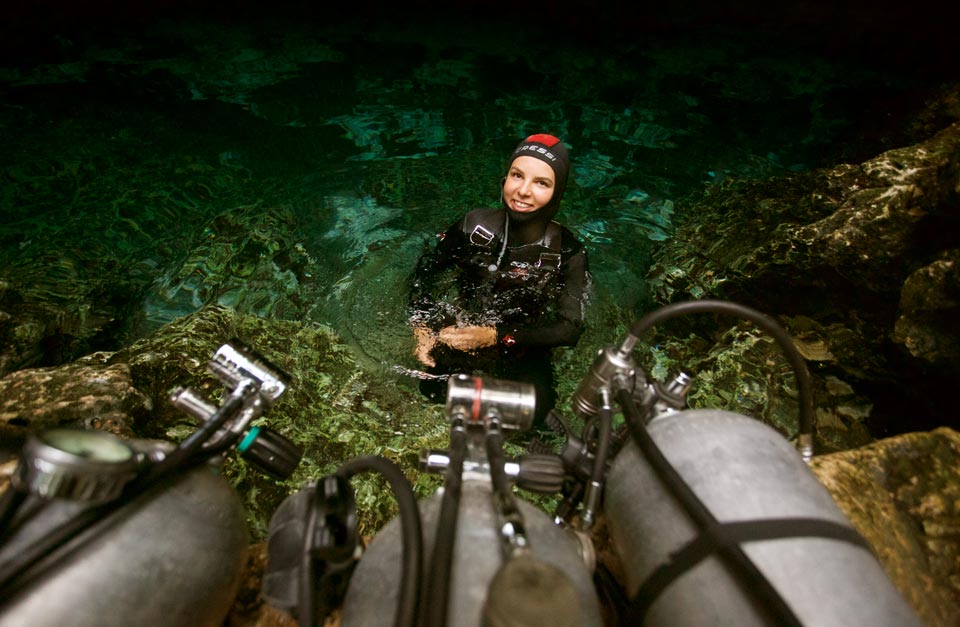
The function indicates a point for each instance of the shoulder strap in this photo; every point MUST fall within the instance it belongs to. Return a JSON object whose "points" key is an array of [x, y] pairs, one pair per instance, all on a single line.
{"points": [[551, 241], [553, 236], [483, 227]]}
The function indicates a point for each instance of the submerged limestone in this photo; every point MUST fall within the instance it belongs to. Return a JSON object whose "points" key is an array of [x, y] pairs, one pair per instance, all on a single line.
{"points": [[857, 261], [334, 410], [903, 495], [928, 312]]}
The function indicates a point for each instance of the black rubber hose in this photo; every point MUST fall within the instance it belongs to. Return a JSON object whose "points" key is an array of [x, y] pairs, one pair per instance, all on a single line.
{"points": [[437, 597], [412, 534], [733, 555], [498, 476], [594, 488], [768, 324], [307, 598], [188, 449], [10, 503], [603, 443]]}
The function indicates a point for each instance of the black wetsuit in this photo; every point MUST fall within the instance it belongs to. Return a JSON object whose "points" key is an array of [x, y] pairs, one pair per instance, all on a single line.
{"points": [[534, 295]]}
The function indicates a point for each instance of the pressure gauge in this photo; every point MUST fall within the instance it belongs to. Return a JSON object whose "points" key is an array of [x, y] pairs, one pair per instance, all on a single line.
{"points": [[91, 466]]}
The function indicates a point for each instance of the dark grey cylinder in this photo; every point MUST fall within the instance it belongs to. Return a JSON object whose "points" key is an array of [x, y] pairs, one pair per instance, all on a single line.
{"points": [[742, 470], [174, 559], [372, 597]]}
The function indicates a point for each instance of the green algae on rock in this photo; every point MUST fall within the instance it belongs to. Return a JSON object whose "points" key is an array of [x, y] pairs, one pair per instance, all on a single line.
{"points": [[334, 410], [744, 371], [88, 393]]}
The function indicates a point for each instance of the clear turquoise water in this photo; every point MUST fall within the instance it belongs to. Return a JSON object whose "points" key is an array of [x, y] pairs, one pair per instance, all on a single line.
{"points": [[296, 165]]}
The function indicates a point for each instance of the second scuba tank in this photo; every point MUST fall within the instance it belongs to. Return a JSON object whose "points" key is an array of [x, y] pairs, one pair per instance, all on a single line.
{"points": [[372, 597], [745, 473]]}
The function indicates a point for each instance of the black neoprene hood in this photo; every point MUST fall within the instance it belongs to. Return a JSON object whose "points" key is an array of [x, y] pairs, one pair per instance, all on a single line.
{"points": [[551, 151]]}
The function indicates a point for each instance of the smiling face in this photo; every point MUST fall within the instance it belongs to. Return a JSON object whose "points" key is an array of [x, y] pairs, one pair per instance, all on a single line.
{"points": [[529, 185]]}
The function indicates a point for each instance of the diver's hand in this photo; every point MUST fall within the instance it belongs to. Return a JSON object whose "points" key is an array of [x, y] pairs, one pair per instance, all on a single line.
{"points": [[468, 338], [426, 341]]}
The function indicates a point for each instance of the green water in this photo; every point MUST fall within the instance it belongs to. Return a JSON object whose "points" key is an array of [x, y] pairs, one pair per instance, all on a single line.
{"points": [[296, 168], [292, 161]]}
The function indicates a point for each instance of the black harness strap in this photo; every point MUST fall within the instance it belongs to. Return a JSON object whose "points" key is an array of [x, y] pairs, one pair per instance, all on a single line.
{"points": [[485, 230], [551, 241], [721, 535]]}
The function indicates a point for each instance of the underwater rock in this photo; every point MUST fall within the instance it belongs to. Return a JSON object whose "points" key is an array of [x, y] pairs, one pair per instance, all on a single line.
{"points": [[51, 312], [744, 371], [384, 131], [248, 259], [368, 310], [89, 393], [742, 164], [903, 495], [634, 130], [360, 224], [635, 214], [175, 356], [86, 237], [345, 269], [333, 409], [929, 310], [652, 214], [595, 170], [312, 356], [270, 262], [861, 226], [837, 247]]}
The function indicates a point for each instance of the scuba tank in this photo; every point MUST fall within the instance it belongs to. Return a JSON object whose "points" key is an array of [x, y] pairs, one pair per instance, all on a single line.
{"points": [[173, 556], [748, 476], [493, 559], [715, 517], [477, 560], [96, 530]]}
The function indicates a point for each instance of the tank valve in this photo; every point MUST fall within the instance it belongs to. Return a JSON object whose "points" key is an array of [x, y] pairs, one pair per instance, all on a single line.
{"points": [[270, 452]]}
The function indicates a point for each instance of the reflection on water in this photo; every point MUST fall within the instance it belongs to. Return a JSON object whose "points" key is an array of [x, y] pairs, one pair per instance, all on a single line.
{"points": [[291, 172]]}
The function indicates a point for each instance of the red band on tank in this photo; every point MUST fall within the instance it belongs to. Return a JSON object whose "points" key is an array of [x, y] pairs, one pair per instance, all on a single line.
{"points": [[477, 389]]}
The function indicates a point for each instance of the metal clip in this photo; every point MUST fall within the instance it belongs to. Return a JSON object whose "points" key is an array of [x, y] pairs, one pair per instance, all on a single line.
{"points": [[481, 236]]}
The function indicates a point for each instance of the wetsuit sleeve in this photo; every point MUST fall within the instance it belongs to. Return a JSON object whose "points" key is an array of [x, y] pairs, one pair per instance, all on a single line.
{"points": [[568, 327], [422, 304]]}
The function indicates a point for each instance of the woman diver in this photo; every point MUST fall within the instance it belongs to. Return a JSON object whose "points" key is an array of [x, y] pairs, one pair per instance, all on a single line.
{"points": [[504, 286]]}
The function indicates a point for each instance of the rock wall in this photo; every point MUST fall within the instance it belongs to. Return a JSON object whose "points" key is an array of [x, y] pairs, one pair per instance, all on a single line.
{"points": [[903, 495], [858, 262]]}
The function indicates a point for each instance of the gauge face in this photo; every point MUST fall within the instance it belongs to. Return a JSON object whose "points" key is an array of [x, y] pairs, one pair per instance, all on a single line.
{"points": [[95, 446], [90, 466]]}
